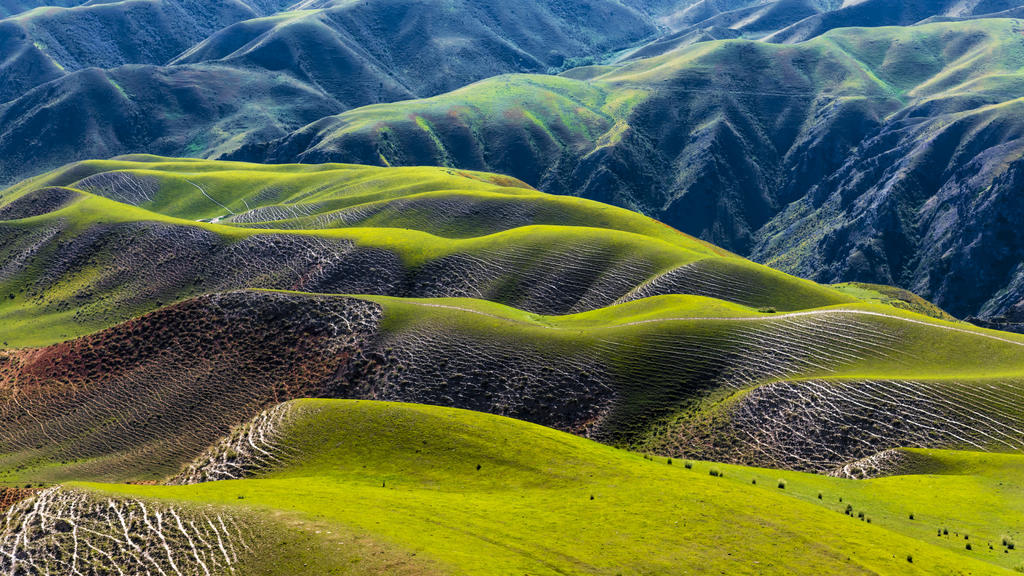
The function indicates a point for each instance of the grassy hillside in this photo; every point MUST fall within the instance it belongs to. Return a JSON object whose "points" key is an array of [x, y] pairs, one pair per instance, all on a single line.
{"points": [[832, 163], [839, 161], [135, 277], [97, 243], [195, 110], [200, 79], [386, 50], [680, 375], [46, 42], [174, 304], [890, 13], [435, 490]]}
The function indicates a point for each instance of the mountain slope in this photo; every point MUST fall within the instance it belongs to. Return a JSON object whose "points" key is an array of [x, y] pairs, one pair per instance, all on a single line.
{"points": [[45, 43], [622, 329], [847, 158], [792, 21], [888, 13], [202, 110], [435, 233], [434, 490], [407, 48]]}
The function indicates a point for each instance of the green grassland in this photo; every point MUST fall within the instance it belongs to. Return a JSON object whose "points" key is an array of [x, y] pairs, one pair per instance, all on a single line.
{"points": [[421, 215], [680, 375], [200, 293], [660, 340], [449, 491]]}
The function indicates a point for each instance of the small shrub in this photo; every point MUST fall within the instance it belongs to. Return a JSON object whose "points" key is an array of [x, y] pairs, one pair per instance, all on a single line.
{"points": [[753, 480], [968, 546], [849, 510], [782, 484], [688, 465], [478, 467], [860, 514], [715, 472], [820, 495], [945, 531], [767, 310], [669, 462], [911, 516], [910, 558], [591, 496]]}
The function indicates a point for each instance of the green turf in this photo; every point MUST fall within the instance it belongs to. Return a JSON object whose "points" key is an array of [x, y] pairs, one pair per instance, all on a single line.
{"points": [[406, 477]]}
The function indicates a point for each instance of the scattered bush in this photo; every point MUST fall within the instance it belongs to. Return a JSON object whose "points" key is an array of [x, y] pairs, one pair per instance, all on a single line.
{"points": [[910, 558], [945, 531], [715, 472], [753, 480], [669, 462], [968, 546], [849, 510], [767, 310], [820, 495], [782, 484], [911, 516], [688, 465]]}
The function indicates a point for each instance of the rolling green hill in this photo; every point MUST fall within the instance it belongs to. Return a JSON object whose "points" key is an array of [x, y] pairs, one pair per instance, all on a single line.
{"points": [[846, 158], [339, 487], [440, 333], [83, 259], [156, 312], [206, 291], [831, 162]]}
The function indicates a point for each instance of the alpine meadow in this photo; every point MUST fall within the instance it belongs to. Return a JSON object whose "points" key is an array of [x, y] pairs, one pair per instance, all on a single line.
{"points": [[483, 287]]}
